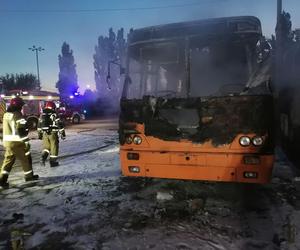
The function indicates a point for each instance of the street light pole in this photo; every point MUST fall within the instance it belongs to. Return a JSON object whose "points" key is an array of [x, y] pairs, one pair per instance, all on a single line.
{"points": [[279, 44], [37, 50]]}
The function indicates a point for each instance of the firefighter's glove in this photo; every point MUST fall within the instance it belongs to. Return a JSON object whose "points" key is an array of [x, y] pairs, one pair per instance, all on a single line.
{"points": [[63, 136]]}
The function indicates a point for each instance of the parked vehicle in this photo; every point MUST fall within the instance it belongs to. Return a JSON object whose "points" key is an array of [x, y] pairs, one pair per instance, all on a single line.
{"points": [[196, 103], [34, 103], [71, 113]]}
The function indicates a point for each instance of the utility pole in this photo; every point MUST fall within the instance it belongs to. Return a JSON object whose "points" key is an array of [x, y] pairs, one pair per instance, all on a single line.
{"points": [[37, 50], [2, 87], [278, 29], [279, 9], [279, 43]]}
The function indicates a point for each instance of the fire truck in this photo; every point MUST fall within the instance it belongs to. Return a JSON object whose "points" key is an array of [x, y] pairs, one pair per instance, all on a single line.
{"points": [[70, 112], [34, 103]]}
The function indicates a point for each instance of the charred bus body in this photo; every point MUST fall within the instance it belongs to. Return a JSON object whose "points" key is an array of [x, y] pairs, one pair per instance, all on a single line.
{"points": [[287, 84], [196, 103], [288, 99]]}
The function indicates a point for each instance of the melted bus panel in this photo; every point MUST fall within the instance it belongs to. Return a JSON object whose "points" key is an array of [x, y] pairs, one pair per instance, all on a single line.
{"points": [[289, 101], [196, 103]]}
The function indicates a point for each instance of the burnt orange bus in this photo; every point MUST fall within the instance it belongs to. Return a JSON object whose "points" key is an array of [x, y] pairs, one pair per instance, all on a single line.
{"points": [[197, 103]]}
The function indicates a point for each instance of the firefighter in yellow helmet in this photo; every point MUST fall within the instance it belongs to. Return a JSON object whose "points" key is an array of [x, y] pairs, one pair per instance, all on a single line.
{"points": [[50, 127], [16, 142]]}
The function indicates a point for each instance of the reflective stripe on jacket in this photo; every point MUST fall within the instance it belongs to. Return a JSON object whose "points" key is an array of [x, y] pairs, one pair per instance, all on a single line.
{"points": [[13, 123], [56, 125]]}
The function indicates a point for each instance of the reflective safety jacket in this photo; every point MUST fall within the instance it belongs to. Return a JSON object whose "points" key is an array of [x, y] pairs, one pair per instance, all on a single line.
{"points": [[50, 122], [14, 128]]}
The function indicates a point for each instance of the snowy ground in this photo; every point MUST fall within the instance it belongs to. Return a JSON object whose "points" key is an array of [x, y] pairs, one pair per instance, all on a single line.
{"points": [[85, 203]]}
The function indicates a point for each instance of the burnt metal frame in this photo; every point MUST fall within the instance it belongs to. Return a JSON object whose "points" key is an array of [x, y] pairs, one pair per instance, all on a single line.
{"points": [[150, 31]]}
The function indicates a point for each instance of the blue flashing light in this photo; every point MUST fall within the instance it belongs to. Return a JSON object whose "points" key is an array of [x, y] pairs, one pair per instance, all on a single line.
{"points": [[84, 111], [71, 96], [76, 93]]}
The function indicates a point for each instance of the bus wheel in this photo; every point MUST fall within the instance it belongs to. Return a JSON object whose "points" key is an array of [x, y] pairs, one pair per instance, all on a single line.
{"points": [[76, 119], [32, 123]]}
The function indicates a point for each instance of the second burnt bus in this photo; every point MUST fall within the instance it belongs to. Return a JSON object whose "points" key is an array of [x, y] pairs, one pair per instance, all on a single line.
{"points": [[197, 103]]}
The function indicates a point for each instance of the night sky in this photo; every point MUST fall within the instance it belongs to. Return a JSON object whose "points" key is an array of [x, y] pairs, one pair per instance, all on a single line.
{"points": [[79, 22]]}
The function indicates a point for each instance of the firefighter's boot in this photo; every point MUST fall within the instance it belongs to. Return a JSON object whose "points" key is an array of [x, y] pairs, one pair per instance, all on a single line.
{"points": [[3, 181], [31, 177], [53, 163], [44, 157]]}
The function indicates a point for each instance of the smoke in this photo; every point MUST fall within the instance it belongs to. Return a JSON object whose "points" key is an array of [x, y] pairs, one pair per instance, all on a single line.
{"points": [[217, 67]]}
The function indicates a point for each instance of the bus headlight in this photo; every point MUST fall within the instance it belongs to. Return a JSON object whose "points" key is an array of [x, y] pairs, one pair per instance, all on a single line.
{"points": [[128, 140], [245, 141], [137, 140], [251, 175], [257, 141], [134, 169]]}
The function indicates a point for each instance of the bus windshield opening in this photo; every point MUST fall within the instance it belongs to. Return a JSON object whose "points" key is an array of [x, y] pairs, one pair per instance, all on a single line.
{"points": [[173, 70]]}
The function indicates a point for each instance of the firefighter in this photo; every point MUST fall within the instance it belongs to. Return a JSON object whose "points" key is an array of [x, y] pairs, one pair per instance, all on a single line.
{"points": [[16, 142], [50, 127]]}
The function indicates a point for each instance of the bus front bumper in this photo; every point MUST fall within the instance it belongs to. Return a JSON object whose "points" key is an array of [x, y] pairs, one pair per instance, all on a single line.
{"points": [[227, 167]]}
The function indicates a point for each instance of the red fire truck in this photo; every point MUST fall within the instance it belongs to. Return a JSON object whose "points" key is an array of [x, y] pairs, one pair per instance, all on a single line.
{"points": [[34, 103], [71, 113]]}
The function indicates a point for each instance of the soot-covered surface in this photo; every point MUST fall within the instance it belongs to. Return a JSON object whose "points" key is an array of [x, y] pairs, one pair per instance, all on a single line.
{"points": [[218, 119]]}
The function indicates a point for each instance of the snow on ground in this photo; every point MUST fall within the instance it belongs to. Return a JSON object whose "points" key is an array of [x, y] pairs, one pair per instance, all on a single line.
{"points": [[85, 203]]}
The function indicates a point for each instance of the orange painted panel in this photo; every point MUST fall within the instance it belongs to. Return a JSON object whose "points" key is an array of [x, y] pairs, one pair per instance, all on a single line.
{"points": [[214, 167], [183, 159], [155, 157], [191, 172], [217, 160], [196, 161]]}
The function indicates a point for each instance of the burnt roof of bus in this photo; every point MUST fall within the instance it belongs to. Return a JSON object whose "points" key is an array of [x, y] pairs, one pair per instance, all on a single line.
{"points": [[205, 27]]}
